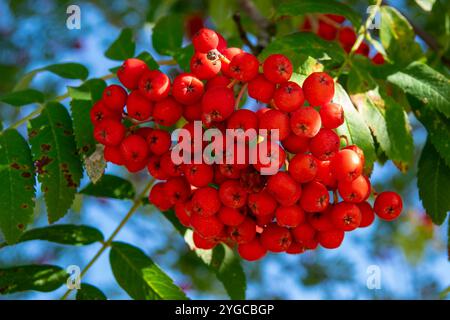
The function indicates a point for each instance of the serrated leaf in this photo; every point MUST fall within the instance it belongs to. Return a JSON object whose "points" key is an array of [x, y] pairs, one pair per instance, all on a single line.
{"points": [[425, 84], [433, 181], [68, 70], [44, 278], [139, 276], [56, 158], [64, 234], [354, 128], [167, 35], [17, 179], [90, 292], [123, 47], [110, 186], [23, 97], [310, 44], [183, 57], [398, 37], [295, 8], [221, 260], [83, 98]]}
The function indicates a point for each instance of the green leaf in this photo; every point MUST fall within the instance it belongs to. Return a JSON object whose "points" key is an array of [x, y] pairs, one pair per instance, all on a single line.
{"points": [[139, 276], [354, 128], [221, 260], [183, 57], [89, 292], [64, 234], [22, 97], [83, 98], [225, 264], [17, 179], [433, 181], [295, 8], [167, 34], [425, 84], [68, 70], [298, 45], [123, 47], [398, 37], [56, 158], [44, 278], [110, 186]]}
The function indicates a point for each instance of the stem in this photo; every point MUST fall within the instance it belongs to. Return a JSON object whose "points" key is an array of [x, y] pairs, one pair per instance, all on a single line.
{"points": [[242, 33], [169, 62], [28, 117], [361, 35], [232, 83], [136, 203], [239, 97]]}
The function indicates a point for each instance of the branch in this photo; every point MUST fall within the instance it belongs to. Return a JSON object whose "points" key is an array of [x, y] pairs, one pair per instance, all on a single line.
{"points": [[242, 33], [136, 203]]}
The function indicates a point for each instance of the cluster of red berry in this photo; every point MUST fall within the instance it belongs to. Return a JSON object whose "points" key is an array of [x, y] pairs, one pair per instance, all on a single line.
{"points": [[329, 27], [234, 203]]}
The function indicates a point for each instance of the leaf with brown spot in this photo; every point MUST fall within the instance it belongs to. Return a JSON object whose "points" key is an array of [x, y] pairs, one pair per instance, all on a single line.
{"points": [[58, 167], [17, 178]]}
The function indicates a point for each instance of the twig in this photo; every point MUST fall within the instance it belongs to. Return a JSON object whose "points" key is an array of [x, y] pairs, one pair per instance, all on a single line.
{"points": [[136, 203], [242, 33], [239, 97]]}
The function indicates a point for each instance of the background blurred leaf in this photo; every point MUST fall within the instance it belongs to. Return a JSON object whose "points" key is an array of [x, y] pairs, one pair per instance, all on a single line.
{"points": [[89, 292], [17, 178], [56, 158], [43, 278], [123, 47], [139, 276], [183, 57], [22, 97], [167, 34], [110, 186], [68, 70]]}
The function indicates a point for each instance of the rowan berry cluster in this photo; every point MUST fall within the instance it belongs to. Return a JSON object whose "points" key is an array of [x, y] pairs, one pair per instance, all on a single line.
{"points": [[290, 211], [329, 27]]}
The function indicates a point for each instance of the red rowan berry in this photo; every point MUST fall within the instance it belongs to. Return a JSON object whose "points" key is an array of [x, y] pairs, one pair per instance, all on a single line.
{"points": [[134, 148], [243, 233], [159, 141], [203, 68], [367, 214], [275, 238], [326, 31], [277, 68], [230, 171], [332, 115], [378, 58], [303, 232], [167, 165], [202, 243], [275, 154], [305, 122], [303, 168], [193, 112], [167, 112], [114, 97], [285, 190], [177, 189], [261, 89], [318, 88], [199, 175], [346, 165], [295, 248], [205, 40], [345, 216], [99, 112], [252, 250], [289, 216], [331, 239], [295, 144], [232, 194], [347, 38], [262, 203], [218, 103], [325, 176], [130, 72], [144, 132], [315, 197], [288, 97], [109, 132], [230, 216], [336, 17], [388, 205], [217, 81], [275, 120], [206, 201], [363, 49], [222, 45], [133, 166], [229, 53], [113, 155], [138, 107], [159, 198], [154, 167], [154, 85], [244, 67], [358, 151], [208, 227], [320, 221], [263, 221], [325, 144], [243, 119], [354, 191], [182, 213], [187, 89]]}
